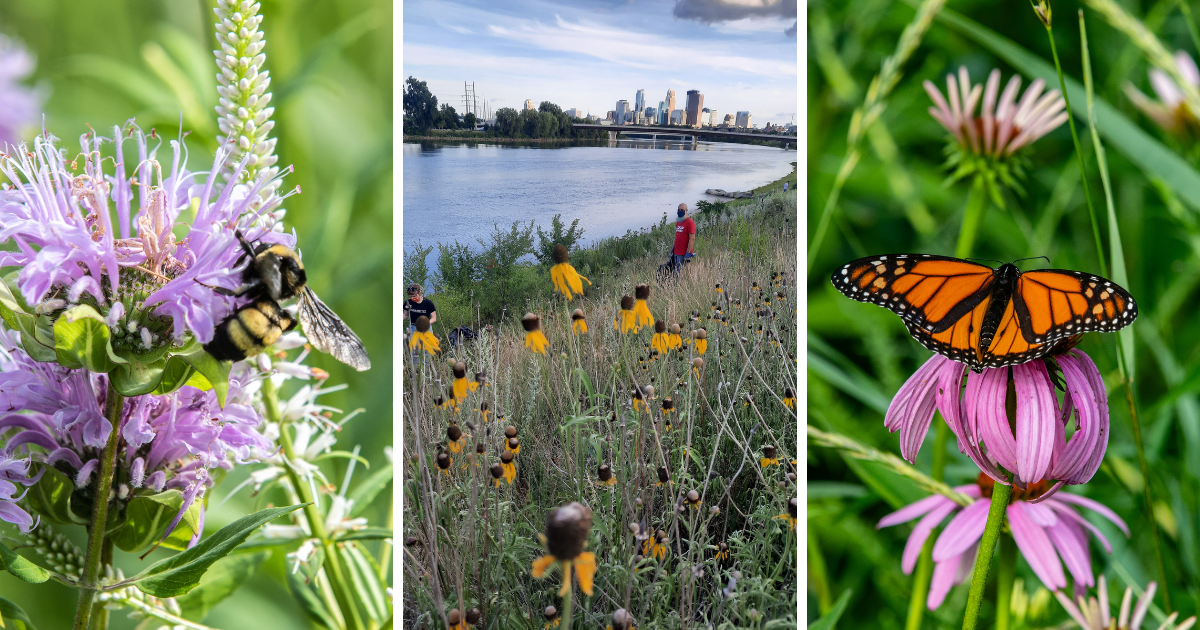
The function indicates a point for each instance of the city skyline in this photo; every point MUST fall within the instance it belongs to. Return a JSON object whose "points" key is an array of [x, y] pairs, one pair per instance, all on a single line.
{"points": [[597, 53]]}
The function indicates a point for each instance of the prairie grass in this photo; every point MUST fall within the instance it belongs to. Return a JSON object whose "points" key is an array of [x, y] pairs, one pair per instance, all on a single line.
{"points": [[469, 540]]}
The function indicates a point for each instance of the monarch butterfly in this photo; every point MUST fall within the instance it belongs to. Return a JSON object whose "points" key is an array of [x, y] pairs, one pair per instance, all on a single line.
{"points": [[985, 317]]}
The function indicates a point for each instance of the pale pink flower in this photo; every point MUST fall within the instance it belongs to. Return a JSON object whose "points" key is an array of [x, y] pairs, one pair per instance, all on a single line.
{"points": [[1003, 127], [1170, 111], [1093, 613]]}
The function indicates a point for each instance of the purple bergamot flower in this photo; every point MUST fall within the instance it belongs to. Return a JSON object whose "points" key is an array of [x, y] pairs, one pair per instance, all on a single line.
{"points": [[20, 105], [15, 471]]}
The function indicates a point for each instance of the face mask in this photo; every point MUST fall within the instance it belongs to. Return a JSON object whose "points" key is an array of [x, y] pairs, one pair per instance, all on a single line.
{"points": [[680, 213]]}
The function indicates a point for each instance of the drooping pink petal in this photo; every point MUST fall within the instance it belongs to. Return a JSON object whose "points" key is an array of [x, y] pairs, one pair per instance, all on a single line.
{"points": [[1071, 543], [1036, 547], [912, 548], [1035, 420], [964, 530], [1040, 514], [943, 579], [913, 510], [911, 410], [985, 408], [1099, 508], [1143, 605], [971, 436], [989, 111], [1085, 450]]}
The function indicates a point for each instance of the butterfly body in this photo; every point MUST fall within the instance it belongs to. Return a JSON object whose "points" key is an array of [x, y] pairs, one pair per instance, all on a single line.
{"points": [[985, 317]]}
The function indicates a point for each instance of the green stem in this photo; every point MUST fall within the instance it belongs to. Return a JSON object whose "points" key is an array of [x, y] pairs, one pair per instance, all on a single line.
{"points": [[1006, 575], [1087, 195], [1191, 23], [916, 603], [567, 602], [987, 547], [114, 405], [972, 218], [312, 513]]}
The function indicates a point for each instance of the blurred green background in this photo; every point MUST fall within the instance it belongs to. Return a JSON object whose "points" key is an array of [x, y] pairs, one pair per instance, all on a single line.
{"points": [[897, 200], [331, 76]]}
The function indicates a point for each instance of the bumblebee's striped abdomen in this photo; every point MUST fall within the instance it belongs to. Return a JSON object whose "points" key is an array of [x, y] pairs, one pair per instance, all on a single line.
{"points": [[249, 330]]}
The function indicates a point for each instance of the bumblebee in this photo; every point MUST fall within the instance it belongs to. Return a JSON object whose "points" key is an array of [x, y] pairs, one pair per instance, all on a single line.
{"points": [[274, 273]]}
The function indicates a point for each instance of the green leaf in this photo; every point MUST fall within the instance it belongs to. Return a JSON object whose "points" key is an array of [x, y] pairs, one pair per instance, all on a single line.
{"points": [[10, 307], [310, 600], [830, 621], [1136, 145], [175, 375], [147, 518], [81, 340], [216, 372], [137, 378], [225, 577], [182, 572], [12, 612], [364, 576], [364, 493], [51, 497], [20, 567], [587, 382], [370, 533]]}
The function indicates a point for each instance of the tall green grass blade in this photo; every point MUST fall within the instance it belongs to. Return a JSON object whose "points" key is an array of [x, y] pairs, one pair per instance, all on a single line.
{"points": [[830, 621]]}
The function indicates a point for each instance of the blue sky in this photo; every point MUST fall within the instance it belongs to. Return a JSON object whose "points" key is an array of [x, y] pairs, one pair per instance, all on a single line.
{"points": [[741, 54]]}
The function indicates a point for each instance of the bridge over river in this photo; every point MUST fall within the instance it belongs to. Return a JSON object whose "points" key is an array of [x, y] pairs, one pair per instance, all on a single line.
{"points": [[660, 133]]}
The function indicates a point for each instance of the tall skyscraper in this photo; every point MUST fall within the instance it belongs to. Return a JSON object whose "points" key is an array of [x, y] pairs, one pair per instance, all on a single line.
{"points": [[529, 104], [663, 112], [651, 115], [677, 117], [670, 102], [706, 117], [695, 105], [713, 119], [639, 102], [743, 120], [621, 110]]}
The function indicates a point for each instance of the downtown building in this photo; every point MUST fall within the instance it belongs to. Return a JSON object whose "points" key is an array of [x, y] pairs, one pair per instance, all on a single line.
{"points": [[742, 120], [695, 107], [621, 110], [668, 106]]}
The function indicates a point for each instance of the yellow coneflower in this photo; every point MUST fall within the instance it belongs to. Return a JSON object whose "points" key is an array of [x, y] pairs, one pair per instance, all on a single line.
{"points": [[423, 337], [578, 322], [460, 380], [567, 529], [606, 476], [621, 620], [697, 365], [693, 499], [768, 458], [701, 337], [664, 477], [512, 445], [473, 616], [444, 462], [564, 276], [722, 552], [789, 398], [626, 321], [746, 401], [452, 400], [718, 287], [724, 320], [656, 546], [484, 410], [497, 471], [780, 296], [456, 620], [641, 293], [509, 467], [791, 513], [754, 286], [455, 439], [738, 303], [673, 339], [534, 339], [659, 340], [551, 615]]}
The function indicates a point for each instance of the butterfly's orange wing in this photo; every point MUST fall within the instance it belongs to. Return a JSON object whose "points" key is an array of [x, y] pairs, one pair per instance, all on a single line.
{"points": [[931, 293], [1052, 304]]}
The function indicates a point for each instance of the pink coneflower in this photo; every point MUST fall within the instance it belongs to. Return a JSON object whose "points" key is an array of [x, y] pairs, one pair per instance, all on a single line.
{"points": [[1170, 111], [1093, 614], [1003, 128], [1044, 528], [1041, 448]]}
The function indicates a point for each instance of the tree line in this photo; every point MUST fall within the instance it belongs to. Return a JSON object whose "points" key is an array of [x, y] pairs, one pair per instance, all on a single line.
{"points": [[421, 114]]}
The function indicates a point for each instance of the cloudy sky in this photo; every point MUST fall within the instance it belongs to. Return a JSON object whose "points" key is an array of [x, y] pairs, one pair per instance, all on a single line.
{"points": [[741, 54]]}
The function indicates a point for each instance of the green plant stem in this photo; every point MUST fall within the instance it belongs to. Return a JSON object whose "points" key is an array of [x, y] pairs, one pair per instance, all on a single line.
{"points": [[1006, 574], [1087, 195], [972, 218], [987, 547], [114, 405], [316, 523], [924, 572], [1191, 23], [567, 603]]}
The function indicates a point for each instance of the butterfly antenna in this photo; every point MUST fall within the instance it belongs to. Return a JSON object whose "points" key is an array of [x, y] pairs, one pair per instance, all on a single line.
{"points": [[986, 260], [1033, 258]]}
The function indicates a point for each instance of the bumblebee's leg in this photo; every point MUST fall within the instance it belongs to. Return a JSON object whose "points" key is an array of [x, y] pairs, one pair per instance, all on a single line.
{"points": [[221, 290], [245, 244]]}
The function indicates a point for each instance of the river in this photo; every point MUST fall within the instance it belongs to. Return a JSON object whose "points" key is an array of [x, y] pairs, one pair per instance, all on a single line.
{"points": [[457, 190]]}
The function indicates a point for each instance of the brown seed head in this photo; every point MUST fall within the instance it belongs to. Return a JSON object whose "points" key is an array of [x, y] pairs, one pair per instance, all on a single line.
{"points": [[480, 448], [567, 530], [460, 370], [506, 457], [483, 406], [577, 314], [510, 431], [769, 451], [622, 620], [411, 540], [559, 255], [660, 535], [481, 376], [722, 547], [675, 329], [422, 324], [660, 326], [443, 461], [453, 433], [663, 475], [697, 363], [668, 404], [642, 291], [531, 322], [693, 496], [792, 507], [473, 616], [439, 401], [497, 471], [638, 501], [699, 333], [604, 472], [550, 613], [626, 302], [788, 392], [514, 443], [454, 617]]}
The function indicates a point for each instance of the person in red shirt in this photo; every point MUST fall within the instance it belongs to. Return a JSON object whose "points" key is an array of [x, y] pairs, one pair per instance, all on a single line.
{"points": [[685, 237]]}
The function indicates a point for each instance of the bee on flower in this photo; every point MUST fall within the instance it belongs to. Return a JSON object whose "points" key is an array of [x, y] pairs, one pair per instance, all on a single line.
{"points": [[659, 341], [564, 276], [423, 337], [626, 320], [769, 457], [567, 529], [604, 472], [578, 322], [641, 311], [534, 338]]}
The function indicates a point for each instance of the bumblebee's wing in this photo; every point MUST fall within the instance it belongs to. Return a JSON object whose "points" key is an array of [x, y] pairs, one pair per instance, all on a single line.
{"points": [[330, 334]]}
